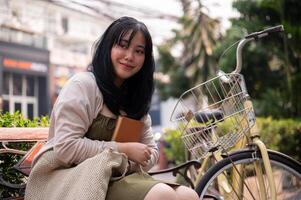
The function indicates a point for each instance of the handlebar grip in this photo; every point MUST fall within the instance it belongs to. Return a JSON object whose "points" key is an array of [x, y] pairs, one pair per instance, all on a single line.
{"points": [[274, 29], [267, 31]]}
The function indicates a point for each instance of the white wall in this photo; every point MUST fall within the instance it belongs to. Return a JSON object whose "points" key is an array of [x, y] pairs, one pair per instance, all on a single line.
{"points": [[166, 111]]}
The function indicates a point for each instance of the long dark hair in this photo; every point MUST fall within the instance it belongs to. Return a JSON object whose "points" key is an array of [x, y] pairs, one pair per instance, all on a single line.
{"points": [[134, 96]]}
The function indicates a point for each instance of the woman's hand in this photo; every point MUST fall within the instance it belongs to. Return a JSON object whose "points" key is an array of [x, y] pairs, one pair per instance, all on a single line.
{"points": [[137, 152]]}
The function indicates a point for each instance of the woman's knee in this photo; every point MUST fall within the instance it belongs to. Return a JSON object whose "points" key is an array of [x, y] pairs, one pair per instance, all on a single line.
{"points": [[161, 191], [184, 193]]}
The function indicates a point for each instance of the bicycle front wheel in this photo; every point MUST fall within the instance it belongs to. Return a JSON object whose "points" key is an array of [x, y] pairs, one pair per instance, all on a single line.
{"points": [[246, 184]]}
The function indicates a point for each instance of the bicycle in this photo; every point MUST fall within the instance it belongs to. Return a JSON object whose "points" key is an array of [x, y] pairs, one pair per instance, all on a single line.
{"points": [[243, 168]]}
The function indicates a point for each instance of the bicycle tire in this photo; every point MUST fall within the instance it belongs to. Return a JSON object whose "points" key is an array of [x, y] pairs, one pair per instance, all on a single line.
{"points": [[287, 173]]}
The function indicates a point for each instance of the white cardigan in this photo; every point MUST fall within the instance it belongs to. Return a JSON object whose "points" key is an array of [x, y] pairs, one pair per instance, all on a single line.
{"points": [[79, 103]]}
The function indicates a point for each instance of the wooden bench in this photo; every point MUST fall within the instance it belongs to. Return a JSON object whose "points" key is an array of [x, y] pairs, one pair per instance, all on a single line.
{"points": [[39, 137]]}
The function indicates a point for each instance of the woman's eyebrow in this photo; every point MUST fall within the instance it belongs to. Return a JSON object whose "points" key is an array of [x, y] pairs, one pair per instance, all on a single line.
{"points": [[124, 40], [141, 46], [127, 42]]}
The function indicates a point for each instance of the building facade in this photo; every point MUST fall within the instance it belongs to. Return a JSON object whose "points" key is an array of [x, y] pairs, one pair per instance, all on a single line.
{"points": [[24, 75], [42, 44]]}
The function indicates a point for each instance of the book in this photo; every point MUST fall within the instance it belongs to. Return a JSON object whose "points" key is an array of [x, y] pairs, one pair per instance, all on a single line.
{"points": [[127, 130], [24, 165]]}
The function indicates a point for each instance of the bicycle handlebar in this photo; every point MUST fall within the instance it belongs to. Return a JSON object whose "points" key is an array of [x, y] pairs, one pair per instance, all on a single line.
{"points": [[246, 39], [274, 29]]}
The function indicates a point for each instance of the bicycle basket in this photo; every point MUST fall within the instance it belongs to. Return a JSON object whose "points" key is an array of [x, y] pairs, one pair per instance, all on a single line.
{"points": [[212, 115]]}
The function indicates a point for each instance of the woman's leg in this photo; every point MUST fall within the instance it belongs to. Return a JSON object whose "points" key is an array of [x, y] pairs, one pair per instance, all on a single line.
{"points": [[162, 191], [186, 193]]}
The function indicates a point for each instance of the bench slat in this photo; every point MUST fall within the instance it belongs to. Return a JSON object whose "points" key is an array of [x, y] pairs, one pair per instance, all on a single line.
{"points": [[23, 134]]}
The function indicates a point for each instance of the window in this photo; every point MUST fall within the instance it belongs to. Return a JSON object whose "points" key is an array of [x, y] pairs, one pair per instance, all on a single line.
{"points": [[30, 85], [17, 84], [5, 85], [18, 107], [5, 106], [30, 110], [20, 93]]}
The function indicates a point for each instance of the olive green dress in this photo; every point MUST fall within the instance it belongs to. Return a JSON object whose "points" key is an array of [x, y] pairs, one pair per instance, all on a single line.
{"points": [[133, 186]]}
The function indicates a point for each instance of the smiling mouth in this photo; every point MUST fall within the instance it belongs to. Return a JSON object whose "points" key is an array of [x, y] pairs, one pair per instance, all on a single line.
{"points": [[126, 66]]}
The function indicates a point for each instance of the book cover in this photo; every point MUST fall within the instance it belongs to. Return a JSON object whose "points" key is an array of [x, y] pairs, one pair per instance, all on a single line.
{"points": [[24, 165], [128, 130]]}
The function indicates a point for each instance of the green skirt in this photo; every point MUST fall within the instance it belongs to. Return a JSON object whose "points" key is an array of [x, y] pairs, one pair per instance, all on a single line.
{"points": [[133, 187]]}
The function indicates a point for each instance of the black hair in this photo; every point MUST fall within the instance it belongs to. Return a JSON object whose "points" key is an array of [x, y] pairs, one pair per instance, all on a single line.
{"points": [[134, 96]]}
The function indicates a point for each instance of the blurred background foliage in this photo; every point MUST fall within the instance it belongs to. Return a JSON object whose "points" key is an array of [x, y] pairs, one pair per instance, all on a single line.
{"points": [[271, 66]]}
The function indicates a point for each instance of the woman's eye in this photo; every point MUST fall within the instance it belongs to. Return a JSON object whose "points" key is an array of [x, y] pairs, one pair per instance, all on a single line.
{"points": [[140, 51], [124, 46]]}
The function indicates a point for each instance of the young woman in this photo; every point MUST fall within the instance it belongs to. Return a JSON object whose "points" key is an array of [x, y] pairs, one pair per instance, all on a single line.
{"points": [[84, 115]]}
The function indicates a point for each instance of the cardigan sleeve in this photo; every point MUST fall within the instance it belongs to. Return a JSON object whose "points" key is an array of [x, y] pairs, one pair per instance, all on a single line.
{"points": [[73, 114]]}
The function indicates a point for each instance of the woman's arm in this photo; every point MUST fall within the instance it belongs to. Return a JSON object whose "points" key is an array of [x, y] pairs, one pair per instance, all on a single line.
{"points": [[76, 107]]}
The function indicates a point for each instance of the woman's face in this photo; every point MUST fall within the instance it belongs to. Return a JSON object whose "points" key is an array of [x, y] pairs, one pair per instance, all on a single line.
{"points": [[128, 58]]}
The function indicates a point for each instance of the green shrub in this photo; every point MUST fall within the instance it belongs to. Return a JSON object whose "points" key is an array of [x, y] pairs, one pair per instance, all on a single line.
{"points": [[174, 149], [282, 135], [17, 120], [7, 161]]}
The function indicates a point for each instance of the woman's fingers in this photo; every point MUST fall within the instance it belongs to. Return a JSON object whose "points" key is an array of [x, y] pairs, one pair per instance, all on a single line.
{"points": [[144, 163], [147, 153], [146, 156], [137, 152]]}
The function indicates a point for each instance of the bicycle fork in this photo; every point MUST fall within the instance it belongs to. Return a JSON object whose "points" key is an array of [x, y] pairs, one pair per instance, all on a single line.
{"points": [[254, 133], [268, 170]]}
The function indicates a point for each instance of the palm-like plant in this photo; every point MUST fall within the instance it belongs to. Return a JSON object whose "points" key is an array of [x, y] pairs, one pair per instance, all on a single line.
{"points": [[197, 38]]}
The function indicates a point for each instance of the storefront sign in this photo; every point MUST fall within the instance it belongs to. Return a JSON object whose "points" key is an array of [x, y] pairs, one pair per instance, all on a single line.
{"points": [[25, 65]]}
